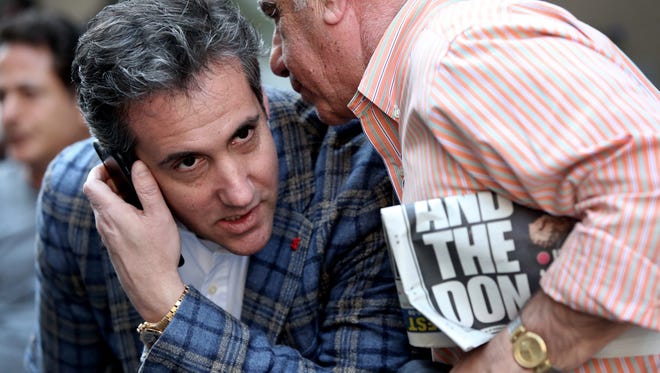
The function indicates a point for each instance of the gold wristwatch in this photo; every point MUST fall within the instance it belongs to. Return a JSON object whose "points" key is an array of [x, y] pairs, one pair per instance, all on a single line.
{"points": [[529, 349], [150, 331]]}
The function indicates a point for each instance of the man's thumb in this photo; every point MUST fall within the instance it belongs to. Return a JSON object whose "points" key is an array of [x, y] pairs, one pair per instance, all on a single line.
{"points": [[147, 188]]}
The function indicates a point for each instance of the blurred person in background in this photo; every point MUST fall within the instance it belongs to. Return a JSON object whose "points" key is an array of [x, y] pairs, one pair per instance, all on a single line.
{"points": [[11, 8], [39, 118]]}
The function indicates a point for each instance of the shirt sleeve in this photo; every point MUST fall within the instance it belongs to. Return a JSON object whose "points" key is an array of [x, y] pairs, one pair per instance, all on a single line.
{"points": [[549, 113]]}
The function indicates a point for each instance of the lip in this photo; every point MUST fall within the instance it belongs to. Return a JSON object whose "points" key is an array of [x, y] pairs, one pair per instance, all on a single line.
{"points": [[244, 224], [304, 94], [295, 84], [14, 139], [12, 134]]}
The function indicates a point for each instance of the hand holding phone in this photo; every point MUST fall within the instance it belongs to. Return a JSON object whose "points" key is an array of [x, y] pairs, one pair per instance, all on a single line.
{"points": [[119, 168]]}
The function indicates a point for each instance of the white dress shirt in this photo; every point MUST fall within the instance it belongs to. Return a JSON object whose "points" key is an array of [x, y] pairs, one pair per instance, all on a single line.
{"points": [[214, 271]]}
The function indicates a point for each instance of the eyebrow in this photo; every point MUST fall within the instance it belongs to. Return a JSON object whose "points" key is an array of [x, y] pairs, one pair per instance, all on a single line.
{"points": [[253, 120]]}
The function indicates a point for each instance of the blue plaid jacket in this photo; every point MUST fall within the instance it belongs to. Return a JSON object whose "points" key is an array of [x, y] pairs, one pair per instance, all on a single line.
{"points": [[326, 302]]}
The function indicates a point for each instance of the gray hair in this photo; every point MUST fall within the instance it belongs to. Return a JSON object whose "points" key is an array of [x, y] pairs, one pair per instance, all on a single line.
{"points": [[299, 4], [137, 48]]}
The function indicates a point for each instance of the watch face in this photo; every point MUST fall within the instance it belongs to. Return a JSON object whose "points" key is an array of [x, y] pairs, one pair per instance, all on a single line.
{"points": [[529, 350], [149, 337]]}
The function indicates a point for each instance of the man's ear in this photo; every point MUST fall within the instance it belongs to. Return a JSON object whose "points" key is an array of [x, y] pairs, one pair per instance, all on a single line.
{"points": [[334, 10]]}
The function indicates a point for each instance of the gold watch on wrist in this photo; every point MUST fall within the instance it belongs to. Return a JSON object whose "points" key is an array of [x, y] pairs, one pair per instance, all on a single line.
{"points": [[529, 349], [150, 331]]}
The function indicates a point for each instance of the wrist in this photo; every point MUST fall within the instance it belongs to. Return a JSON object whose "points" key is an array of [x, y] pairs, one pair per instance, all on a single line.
{"points": [[150, 331], [152, 299], [571, 337], [528, 348]]}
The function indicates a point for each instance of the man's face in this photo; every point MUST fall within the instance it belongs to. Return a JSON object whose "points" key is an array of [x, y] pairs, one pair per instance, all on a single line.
{"points": [[321, 60], [214, 158], [39, 114]]}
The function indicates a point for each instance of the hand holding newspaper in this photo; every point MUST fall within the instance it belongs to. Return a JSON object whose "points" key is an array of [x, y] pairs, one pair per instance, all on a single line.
{"points": [[467, 264]]}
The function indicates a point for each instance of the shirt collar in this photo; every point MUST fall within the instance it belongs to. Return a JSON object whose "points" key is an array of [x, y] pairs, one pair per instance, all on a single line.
{"points": [[380, 82]]}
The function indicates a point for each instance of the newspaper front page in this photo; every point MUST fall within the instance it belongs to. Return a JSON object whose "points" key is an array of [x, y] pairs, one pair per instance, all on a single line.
{"points": [[465, 265]]}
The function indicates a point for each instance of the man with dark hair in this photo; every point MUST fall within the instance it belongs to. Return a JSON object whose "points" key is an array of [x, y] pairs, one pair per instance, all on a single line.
{"points": [[39, 118], [276, 215]]}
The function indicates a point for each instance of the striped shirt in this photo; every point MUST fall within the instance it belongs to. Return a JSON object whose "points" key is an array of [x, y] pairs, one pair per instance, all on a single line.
{"points": [[521, 98]]}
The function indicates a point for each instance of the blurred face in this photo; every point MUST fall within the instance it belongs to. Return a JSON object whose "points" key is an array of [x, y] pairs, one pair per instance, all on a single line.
{"points": [[322, 60], [39, 114], [213, 156]]}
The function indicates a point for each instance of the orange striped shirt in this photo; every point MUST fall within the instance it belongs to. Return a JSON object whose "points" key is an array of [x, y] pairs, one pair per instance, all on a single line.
{"points": [[521, 98]]}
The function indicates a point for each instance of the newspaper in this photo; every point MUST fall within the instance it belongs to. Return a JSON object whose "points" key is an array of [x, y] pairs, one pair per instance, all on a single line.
{"points": [[465, 265]]}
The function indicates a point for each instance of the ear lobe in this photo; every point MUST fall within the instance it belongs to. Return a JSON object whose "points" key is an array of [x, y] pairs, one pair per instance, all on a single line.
{"points": [[333, 11]]}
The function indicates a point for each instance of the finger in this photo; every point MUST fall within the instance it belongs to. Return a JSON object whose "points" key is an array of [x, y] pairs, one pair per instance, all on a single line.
{"points": [[147, 189], [153, 202], [97, 190], [98, 172]]}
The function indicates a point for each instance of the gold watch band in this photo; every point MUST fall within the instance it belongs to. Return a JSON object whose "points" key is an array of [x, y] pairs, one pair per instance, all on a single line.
{"points": [[150, 331]]}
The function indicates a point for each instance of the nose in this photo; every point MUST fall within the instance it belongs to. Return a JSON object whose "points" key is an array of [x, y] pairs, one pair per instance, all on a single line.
{"points": [[234, 186], [276, 60]]}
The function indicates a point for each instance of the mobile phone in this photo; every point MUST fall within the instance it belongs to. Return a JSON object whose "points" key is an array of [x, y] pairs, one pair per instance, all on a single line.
{"points": [[119, 168]]}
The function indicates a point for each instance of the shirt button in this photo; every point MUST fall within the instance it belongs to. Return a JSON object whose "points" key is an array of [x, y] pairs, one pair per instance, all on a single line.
{"points": [[212, 289], [397, 112]]}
